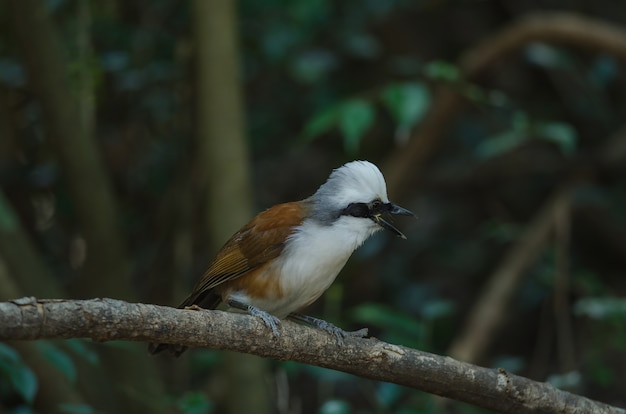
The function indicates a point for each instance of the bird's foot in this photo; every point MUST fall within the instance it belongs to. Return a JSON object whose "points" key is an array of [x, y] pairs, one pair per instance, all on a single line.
{"points": [[334, 330], [339, 333], [269, 320]]}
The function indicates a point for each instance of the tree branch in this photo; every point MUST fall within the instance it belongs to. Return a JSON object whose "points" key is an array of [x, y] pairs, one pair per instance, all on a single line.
{"points": [[108, 319]]}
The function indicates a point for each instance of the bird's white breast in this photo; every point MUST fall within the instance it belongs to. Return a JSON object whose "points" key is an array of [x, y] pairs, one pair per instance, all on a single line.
{"points": [[311, 260]]}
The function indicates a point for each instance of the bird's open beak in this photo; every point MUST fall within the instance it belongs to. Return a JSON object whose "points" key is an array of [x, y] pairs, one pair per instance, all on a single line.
{"points": [[392, 209]]}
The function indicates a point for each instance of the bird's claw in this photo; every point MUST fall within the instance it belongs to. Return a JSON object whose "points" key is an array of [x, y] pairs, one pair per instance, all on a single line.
{"points": [[269, 320], [339, 333], [361, 333]]}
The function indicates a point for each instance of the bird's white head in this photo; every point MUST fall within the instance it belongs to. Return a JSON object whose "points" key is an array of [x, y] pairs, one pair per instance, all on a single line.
{"points": [[352, 182], [355, 197]]}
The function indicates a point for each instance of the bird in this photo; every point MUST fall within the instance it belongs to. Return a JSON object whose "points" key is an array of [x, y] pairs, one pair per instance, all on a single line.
{"points": [[287, 256]]}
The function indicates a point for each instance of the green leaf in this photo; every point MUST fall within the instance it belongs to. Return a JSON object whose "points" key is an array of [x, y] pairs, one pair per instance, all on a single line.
{"points": [[80, 348], [475, 93], [8, 219], [194, 403], [76, 409], [601, 373], [603, 71], [441, 70], [601, 308], [335, 407], [21, 377], [569, 380], [356, 117], [520, 122], [407, 102], [8, 354], [562, 134], [506, 140], [547, 56], [513, 364], [362, 45], [499, 231], [388, 394], [499, 143], [436, 309], [312, 66], [59, 359], [353, 118], [25, 382], [321, 123]]}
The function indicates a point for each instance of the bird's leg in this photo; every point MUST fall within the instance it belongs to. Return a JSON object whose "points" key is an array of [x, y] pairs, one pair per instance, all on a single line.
{"points": [[339, 333], [269, 320]]}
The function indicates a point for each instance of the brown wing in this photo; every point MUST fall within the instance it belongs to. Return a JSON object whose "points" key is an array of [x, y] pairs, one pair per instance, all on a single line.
{"points": [[259, 241]]}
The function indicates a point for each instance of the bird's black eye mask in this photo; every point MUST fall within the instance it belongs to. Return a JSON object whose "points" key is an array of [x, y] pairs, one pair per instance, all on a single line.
{"points": [[374, 211], [356, 210]]}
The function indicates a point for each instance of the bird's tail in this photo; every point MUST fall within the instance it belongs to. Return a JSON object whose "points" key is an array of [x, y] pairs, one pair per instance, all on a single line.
{"points": [[205, 300]]}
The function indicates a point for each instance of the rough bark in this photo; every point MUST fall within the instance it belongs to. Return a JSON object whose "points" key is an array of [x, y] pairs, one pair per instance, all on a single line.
{"points": [[54, 387], [108, 319]]}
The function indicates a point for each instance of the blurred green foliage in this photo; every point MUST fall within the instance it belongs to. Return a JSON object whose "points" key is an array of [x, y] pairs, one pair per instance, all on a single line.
{"points": [[326, 82], [194, 403], [407, 103], [16, 376], [59, 359], [561, 134]]}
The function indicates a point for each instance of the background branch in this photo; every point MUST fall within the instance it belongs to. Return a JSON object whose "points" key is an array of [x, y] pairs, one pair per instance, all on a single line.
{"points": [[492, 305], [108, 319], [567, 29]]}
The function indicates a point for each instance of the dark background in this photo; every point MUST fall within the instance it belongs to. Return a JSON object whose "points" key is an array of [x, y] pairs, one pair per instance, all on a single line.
{"points": [[499, 123]]}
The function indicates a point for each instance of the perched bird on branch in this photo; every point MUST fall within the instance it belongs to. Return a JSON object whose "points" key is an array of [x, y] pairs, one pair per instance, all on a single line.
{"points": [[288, 255]]}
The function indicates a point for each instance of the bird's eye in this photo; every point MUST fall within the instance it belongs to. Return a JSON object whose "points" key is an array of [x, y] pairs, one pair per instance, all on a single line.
{"points": [[376, 205]]}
